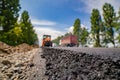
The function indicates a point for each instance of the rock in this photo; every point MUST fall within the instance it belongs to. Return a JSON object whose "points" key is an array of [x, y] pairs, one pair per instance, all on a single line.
{"points": [[2, 76], [9, 74], [17, 70], [19, 64], [6, 62], [21, 76], [31, 64], [1, 65], [4, 68]]}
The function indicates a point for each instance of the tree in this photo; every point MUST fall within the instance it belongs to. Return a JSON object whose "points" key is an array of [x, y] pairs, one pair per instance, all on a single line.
{"points": [[117, 27], [13, 36], [77, 27], [83, 36], [11, 32], [109, 18], [29, 34], [14, 33], [96, 26], [57, 40], [8, 13]]}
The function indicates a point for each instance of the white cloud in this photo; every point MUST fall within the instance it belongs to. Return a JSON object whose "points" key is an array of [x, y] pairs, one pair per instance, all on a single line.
{"points": [[83, 26], [49, 31], [90, 4], [70, 29], [42, 22], [42, 27]]}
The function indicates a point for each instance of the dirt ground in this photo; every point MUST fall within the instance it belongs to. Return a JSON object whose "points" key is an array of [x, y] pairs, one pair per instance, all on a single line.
{"points": [[39, 68], [22, 66]]}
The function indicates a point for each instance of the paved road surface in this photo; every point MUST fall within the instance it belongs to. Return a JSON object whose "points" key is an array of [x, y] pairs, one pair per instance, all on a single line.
{"points": [[104, 52], [39, 69]]}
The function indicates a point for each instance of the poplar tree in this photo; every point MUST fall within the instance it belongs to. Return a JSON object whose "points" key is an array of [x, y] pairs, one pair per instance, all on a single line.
{"points": [[109, 18], [96, 26], [117, 28], [76, 28], [29, 35], [83, 36]]}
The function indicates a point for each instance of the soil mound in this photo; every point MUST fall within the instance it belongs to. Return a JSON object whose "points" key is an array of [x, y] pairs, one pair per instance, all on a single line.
{"points": [[11, 49]]}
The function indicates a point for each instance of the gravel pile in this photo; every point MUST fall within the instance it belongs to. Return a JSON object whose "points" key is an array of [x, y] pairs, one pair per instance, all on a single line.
{"points": [[69, 64], [16, 62], [16, 66], [10, 49]]}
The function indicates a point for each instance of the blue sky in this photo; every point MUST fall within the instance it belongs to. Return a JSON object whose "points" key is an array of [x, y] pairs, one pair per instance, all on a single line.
{"points": [[56, 17], [62, 12]]}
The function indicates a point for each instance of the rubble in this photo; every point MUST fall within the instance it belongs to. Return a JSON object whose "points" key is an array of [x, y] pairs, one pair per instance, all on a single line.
{"points": [[16, 62], [17, 66], [4, 48], [62, 64]]}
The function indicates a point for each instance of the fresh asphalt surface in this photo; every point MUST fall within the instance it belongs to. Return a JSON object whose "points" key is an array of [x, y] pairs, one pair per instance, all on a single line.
{"points": [[104, 52]]}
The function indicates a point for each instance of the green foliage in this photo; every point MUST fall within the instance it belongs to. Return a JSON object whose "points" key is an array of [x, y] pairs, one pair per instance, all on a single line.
{"points": [[29, 34], [83, 36], [57, 40], [14, 36], [8, 13], [76, 29], [118, 26], [96, 26], [109, 19], [14, 33]]}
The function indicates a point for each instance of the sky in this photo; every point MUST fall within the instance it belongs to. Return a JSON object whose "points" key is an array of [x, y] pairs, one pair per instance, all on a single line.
{"points": [[56, 17]]}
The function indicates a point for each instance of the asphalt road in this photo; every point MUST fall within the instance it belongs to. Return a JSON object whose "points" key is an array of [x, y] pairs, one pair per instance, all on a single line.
{"points": [[39, 69], [104, 52]]}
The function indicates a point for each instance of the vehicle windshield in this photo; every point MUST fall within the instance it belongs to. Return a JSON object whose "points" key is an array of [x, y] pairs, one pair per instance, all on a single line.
{"points": [[45, 36]]}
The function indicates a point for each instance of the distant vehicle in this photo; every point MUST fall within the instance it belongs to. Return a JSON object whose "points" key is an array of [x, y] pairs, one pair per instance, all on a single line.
{"points": [[54, 45], [69, 41], [46, 42]]}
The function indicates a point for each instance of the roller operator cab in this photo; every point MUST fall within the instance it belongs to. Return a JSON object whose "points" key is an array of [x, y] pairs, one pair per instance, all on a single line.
{"points": [[46, 42]]}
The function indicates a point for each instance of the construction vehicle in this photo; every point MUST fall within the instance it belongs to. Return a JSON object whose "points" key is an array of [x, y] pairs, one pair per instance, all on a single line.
{"points": [[46, 42], [69, 41]]}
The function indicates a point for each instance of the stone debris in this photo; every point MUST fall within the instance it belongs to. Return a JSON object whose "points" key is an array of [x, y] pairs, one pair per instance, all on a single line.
{"points": [[16, 66], [16, 62], [24, 62], [11, 49], [62, 64]]}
